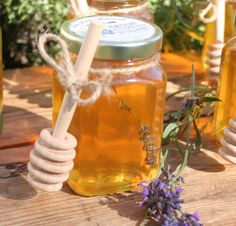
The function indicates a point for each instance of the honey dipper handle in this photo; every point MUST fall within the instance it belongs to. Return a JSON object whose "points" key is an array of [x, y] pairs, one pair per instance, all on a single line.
{"points": [[82, 66], [83, 7], [220, 20]]}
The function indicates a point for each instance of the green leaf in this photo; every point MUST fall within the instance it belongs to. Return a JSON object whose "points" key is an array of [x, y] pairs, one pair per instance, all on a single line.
{"points": [[169, 130], [209, 99]]}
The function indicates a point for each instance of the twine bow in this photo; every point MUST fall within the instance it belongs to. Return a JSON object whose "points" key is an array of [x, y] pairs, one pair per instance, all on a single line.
{"points": [[210, 7], [68, 77]]}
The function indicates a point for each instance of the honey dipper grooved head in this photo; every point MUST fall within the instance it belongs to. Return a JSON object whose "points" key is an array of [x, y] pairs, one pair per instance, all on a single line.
{"points": [[228, 149], [226, 156], [46, 177], [44, 187], [51, 161]]}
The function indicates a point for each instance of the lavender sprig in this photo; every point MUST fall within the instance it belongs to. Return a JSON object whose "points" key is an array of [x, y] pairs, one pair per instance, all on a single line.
{"points": [[161, 198], [186, 119]]}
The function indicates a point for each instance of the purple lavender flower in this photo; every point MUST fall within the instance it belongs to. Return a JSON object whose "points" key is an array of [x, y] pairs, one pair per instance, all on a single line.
{"points": [[145, 192], [190, 219], [143, 184], [167, 221], [189, 102], [184, 103], [179, 189], [180, 179], [196, 216], [161, 197]]}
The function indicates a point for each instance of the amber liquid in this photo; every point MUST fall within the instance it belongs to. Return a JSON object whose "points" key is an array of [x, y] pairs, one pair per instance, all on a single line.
{"points": [[230, 17], [110, 156], [210, 35], [226, 91]]}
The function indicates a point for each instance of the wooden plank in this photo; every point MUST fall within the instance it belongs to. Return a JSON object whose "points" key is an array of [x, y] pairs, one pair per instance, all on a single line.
{"points": [[210, 188], [15, 154], [22, 126], [210, 180], [27, 106]]}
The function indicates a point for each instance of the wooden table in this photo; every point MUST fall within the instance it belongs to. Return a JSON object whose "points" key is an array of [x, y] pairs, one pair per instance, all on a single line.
{"points": [[210, 181]]}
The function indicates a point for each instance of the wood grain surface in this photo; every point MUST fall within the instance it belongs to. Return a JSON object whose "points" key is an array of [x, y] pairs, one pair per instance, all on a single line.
{"points": [[210, 181]]}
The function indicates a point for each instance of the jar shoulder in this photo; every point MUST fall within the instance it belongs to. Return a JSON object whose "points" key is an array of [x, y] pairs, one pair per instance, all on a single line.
{"points": [[151, 75]]}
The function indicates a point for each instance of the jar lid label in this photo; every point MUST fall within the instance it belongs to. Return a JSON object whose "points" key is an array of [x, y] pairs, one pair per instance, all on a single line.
{"points": [[116, 29]]}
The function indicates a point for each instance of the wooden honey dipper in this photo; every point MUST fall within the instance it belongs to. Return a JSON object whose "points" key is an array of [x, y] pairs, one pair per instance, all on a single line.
{"points": [[80, 7], [228, 142], [214, 60], [52, 157], [215, 49]]}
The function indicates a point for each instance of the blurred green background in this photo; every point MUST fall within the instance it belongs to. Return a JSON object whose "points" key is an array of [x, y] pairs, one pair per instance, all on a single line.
{"points": [[22, 21]]}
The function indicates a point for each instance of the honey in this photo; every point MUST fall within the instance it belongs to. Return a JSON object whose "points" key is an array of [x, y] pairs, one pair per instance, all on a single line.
{"points": [[112, 155], [226, 109], [230, 22], [210, 35], [135, 8]]}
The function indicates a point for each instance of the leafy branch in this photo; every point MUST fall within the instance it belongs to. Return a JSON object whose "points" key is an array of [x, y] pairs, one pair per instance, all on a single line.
{"points": [[180, 23], [28, 19], [161, 196]]}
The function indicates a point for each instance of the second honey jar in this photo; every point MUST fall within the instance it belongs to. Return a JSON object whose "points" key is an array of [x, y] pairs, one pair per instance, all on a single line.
{"points": [[119, 136], [135, 8], [226, 109]]}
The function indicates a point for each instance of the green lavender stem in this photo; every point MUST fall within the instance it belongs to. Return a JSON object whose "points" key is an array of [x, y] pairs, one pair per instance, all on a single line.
{"points": [[190, 120]]}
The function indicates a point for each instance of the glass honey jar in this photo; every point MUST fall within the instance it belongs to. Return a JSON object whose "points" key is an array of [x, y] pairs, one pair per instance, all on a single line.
{"points": [[226, 109], [119, 135], [135, 8]]}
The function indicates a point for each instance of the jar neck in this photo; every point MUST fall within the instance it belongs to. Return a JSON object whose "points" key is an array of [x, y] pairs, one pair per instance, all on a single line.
{"points": [[124, 69], [116, 4]]}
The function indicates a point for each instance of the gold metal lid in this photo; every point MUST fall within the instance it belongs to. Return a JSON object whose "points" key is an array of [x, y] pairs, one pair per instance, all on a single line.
{"points": [[122, 38]]}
